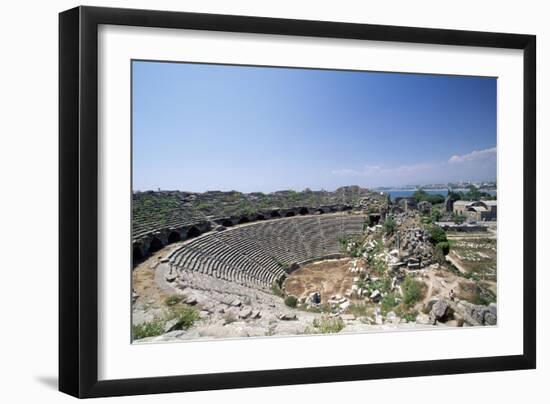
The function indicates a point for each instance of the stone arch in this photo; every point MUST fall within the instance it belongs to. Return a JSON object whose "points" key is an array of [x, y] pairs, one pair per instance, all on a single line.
{"points": [[174, 237], [137, 254], [275, 214], [374, 219], [155, 245], [290, 214], [193, 232], [303, 211], [227, 223], [243, 220]]}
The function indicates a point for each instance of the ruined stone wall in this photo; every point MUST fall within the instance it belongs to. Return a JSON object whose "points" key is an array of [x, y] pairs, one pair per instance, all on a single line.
{"points": [[160, 218]]}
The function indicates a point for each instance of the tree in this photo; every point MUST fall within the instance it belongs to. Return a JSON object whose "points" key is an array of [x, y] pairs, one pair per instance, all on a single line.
{"points": [[444, 247], [389, 226], [421, 195], [437, 234], [459, 219], [436, 215]]}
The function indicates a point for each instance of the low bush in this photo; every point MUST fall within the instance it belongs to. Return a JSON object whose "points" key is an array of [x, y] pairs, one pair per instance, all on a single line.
{"points": [[444, 247], [413, 291], [388, 302], [408, 315], [291, 301], [383, 285], [327, 325], [389, 226], [437, 234], [172, 300], [185, 315], [148, 329]]}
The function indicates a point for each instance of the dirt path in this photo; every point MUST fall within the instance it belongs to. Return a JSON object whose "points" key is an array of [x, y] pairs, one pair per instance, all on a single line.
{"points": [[145, 280], [440, 284]]}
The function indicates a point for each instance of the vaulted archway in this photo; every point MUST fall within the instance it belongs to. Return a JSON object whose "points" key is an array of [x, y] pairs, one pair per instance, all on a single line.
{"points": [[155, 245], [174, 237], [137, 255], [193, 232], [243, 220]]}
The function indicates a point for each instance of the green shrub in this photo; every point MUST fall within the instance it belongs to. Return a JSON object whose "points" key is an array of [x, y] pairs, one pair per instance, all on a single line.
{"points": [[421, 195], [383, 285], [438, 256], [327, 325], [458, 219], [410, 315], [413, 291], [148, 329], [388, 302], [444, 247], [172, 300], [185, 315], [437, 234], [436, 215], [389, 226], [291, 301]]}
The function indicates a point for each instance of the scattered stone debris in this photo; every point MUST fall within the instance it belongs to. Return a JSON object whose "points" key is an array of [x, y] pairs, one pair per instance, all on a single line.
{"points": [[375, 296], [235, 303], [287, 316], [245, 312]]}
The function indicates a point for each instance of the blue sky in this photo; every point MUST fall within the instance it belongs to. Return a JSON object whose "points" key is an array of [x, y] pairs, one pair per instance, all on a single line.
{"points": [[199, 127]]}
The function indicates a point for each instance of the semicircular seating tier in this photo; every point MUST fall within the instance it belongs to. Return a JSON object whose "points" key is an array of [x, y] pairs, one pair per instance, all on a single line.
{"points": [[257, 254]]}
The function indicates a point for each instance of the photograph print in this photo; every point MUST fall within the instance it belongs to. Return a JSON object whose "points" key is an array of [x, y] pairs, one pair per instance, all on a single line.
{"points": [[273, 201]]}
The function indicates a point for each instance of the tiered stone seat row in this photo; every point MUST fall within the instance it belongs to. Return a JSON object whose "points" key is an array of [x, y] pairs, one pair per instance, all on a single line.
{"points": [[257, 254]]}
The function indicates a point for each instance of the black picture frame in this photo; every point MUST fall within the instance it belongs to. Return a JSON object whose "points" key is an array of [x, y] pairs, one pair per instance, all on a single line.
{"points": [[78, 201]]}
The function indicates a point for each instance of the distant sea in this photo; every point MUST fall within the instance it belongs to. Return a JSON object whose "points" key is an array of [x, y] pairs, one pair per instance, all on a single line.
{"points": [[400, 193]]}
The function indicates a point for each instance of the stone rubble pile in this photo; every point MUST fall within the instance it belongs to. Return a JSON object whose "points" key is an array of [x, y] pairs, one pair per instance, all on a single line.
{"points": [[460, 313]]}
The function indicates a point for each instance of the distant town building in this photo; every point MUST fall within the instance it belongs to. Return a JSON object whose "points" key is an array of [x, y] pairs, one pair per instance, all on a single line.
{"points": [[476, 210]]}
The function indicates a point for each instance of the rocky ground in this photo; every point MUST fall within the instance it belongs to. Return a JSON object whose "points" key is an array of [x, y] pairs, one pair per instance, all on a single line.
{"points": [[227, 310]]}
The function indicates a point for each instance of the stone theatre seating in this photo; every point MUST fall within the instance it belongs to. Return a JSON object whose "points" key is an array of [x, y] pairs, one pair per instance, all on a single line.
{"points": [[257, 254]]}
